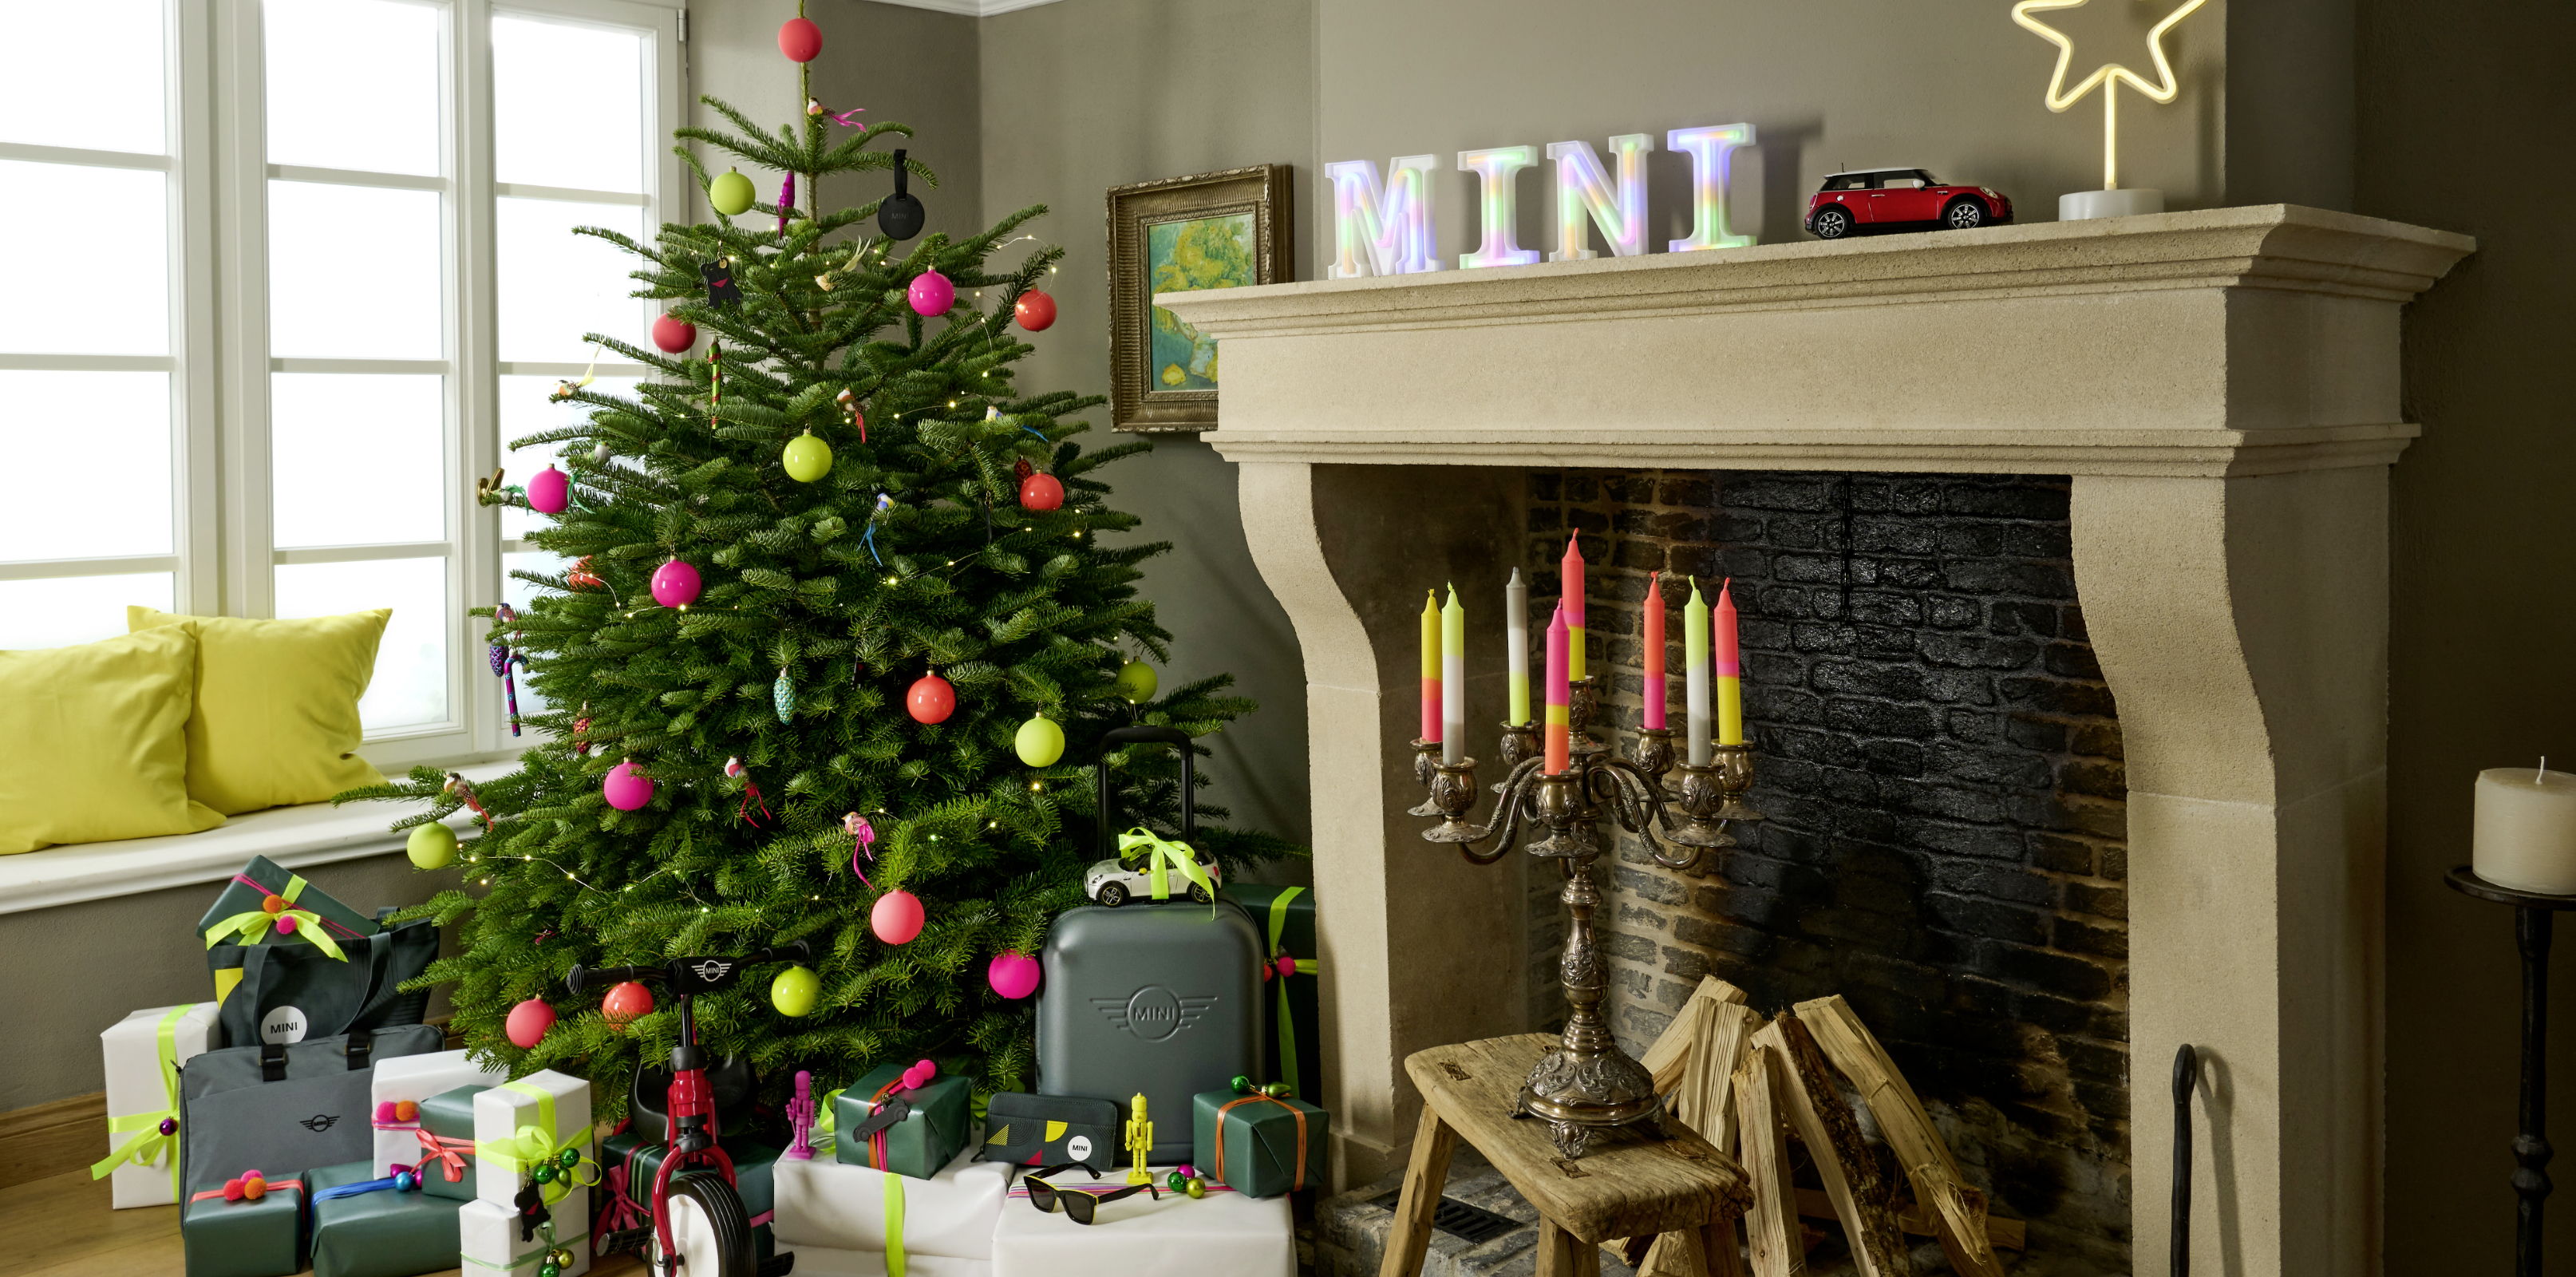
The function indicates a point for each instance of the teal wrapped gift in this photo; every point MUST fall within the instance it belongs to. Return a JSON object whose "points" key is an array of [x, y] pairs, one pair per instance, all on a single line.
{"points": [[629, 1162], [942, 1120], [1293, 1050], [237, 918], [380, 1234], [449, 1115], [1258, 1146], [244, 1238]]}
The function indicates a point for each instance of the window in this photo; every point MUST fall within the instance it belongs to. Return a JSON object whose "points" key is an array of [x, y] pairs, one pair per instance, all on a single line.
{"points": [[369, 202]]}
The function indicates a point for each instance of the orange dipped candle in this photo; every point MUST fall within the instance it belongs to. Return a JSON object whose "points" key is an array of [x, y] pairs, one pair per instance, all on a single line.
{"points": [[1560, 696]]}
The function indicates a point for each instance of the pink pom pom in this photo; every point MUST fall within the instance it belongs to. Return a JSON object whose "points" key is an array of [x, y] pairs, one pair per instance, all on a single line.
{"points": [[1013, 975], [931, 293], [385, 1111], [285, 924], [919, 1075], [626, 787], [1287, 966], [675, 584], [549, 491], [896, 917]]}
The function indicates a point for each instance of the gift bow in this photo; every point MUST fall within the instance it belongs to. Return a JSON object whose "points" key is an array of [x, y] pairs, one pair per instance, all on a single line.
{"points": [[821, 1137], [254, 924], [150, 1143], [1303, 966], [535, 1146], [449, 1153], [1168, 855], [621, 1213]]}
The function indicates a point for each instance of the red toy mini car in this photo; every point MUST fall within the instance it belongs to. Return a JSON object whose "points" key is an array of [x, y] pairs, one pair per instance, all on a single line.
{"points": [[1900, 199]]}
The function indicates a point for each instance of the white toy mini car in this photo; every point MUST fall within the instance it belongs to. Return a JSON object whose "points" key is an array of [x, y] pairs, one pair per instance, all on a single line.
{"points": [[1117, 880]]}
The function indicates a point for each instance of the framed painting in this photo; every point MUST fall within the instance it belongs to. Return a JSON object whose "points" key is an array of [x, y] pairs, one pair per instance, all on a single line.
{"points": [[1214, 230]]}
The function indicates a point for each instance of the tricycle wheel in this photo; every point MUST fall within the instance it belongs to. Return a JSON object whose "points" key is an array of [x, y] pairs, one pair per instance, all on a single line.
{"points": [[710, 1231]]}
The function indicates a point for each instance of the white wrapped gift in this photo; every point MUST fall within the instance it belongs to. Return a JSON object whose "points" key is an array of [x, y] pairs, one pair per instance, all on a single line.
{"points": [[143, 1052], [416, 1078], [556, 1104], [488, 1245], [1177, 1236], [839, 1207], [823, 1261]]}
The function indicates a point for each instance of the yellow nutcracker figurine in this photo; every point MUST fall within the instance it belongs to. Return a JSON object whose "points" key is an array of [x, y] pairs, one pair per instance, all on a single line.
{"points": [[1140, 1140]]}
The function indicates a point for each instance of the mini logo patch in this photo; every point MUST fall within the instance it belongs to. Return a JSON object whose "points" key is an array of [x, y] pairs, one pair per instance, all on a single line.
{"points": [[711, 969], [282, 1025], [1078, 1148], [320, 1122], [1154, 1013]]}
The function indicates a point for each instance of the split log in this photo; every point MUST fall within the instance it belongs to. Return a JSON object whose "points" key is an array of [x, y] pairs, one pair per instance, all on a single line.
{"points": [[1850, 1174], [1706, 1105], [1772, 1224], [1664, 1059], [1958, 1210], [2006, 1234]]}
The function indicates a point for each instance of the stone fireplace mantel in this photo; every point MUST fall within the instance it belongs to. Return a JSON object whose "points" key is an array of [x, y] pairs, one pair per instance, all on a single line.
{"points": [[2223, 388]]}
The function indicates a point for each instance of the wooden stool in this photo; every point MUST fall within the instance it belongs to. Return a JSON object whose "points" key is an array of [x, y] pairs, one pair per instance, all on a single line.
{"points": [[1628, 1186]]}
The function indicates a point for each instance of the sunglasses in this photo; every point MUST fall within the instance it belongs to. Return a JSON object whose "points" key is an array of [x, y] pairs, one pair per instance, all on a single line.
{"points": [[1083, 1207]]}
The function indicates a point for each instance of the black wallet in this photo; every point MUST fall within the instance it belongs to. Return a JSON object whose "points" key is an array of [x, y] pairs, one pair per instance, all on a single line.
{"points": [[1049, 1130]]}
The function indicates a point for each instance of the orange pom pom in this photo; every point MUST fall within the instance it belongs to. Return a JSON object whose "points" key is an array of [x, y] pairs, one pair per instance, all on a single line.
{"points": [[274, 904], [254, 1188], [406, 1111]]}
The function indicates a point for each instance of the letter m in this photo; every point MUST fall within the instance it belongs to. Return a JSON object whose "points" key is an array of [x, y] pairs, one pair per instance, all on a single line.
{"points": [[1382, 228]]}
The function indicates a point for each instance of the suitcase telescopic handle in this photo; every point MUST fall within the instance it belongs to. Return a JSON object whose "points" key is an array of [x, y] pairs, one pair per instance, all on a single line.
{"points": [[1172, 736]]}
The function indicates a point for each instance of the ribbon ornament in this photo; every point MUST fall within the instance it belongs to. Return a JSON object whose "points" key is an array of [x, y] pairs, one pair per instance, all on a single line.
{"points": [[448, 1153], [1168, 855], [156, 1132], [277, 911], [537, 1147], [1286, 966]]}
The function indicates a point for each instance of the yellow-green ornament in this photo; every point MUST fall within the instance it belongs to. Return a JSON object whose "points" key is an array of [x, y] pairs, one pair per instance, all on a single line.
{"points": [[730, 193], [433, 846], [1136, 682], [1039, 742], [808, 458], [795, 991]]}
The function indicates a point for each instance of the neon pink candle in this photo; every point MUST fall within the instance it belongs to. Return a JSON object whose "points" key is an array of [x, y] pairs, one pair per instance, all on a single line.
{"points": [[1560, 696], [1655, 651]]}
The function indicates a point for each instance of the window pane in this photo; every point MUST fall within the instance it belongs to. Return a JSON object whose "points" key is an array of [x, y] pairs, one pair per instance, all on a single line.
{"points": [[357, 459], [76, 609], [114, 298], [556, 285], [526, 410], [66, 87], [57, 425], [410, 686], [517, 594], [353, 84], [354, 273], [567, 104]]}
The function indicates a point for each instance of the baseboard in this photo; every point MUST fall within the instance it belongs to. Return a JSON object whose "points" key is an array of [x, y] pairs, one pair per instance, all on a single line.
{"points": [[50, 1139]]}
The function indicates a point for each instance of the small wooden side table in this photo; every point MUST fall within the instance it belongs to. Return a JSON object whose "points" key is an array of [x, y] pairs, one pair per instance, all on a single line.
{"points": [[2534, 916], [1628, 1185]]}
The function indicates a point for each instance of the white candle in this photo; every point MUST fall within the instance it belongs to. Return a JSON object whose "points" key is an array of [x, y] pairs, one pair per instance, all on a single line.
{"points": [[1516, 638], [2526, 830], [1453, 681]]}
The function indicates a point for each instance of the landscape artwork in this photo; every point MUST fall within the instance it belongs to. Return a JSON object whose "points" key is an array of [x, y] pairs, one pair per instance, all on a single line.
{"points": [[1188, 254]]}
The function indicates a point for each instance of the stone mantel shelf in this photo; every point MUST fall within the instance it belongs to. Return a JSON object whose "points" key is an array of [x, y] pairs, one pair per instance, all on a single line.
{"points": [[2214, 342]]}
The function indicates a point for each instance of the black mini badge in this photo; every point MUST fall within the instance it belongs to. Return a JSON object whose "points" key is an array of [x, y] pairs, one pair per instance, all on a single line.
{"points": [[320, 1122]]}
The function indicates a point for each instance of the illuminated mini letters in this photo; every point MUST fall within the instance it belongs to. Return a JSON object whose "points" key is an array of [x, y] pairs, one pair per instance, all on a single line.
{"points": [[1711, 150], [1498, 167], [1582, 188], [1382, 230]]}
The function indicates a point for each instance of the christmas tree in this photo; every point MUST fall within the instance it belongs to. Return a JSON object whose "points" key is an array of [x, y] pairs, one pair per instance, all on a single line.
{"points": [[832, 579]]}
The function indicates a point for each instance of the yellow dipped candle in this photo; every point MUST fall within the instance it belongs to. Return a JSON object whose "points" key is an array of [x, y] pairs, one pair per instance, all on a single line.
{"points": [[1730, 670], [1430, 666]]}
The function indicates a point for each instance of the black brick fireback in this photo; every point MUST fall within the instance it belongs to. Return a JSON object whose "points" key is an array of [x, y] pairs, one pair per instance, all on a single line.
{"points": [[1941, 765]]}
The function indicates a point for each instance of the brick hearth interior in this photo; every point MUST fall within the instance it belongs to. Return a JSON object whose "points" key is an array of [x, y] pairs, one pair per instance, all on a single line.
{"points": [[1941, 764]]}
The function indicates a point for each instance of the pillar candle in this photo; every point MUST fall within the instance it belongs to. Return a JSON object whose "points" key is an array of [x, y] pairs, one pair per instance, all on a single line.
{"points": [[1516, 635], [1571, 576], [1729, 669], [1560, 697], [1695, 675], [1453, 680], [2526, 830], [1655, 651], [1430, 666]]}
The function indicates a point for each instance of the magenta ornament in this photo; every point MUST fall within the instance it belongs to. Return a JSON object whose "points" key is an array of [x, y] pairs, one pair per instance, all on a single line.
{"points": [[549, 491], [1013, 975], [676, 584], [896, 917], [626, 787], [932, 294]]}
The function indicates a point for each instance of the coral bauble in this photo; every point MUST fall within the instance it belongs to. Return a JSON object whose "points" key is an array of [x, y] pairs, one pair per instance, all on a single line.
{"points": [[1013, 975], [800, 40], [549, 491], [626, 787], [1136, 682], [731, 192], [1035, 311], [1039, 742], [931, 293], [796, 990], [808, 458], [1041, 491], [931, 699], [625, 1004], [676, 584], [528, 1023], [674, 334], [896, 918], [431, 846]]}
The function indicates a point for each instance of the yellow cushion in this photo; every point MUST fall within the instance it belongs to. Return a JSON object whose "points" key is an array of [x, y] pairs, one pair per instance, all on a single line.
{"points": [[93, 744], [276, 719]]}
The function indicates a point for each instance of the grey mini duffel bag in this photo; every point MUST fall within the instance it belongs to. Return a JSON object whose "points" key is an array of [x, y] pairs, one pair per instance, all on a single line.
{"points": [[282, 1109]]}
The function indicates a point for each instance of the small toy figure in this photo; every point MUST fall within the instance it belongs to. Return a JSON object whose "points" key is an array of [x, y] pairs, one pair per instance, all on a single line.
{"points": [[721, 290], [1901, 199], [800, 1116], [1140, 1140]]}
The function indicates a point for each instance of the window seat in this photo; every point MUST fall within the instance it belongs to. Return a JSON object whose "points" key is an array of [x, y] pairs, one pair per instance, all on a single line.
{"points": [[295, 837]]}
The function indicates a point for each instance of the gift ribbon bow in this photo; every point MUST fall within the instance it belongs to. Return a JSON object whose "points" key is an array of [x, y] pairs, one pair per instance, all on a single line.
{"points": [[620, 1213], [254, 925], [535, 1146], [820, 1139], [449, 1153], [151, 1143], [1304, 966], [1297, 1177], [1168, 855], [232, 1189]]}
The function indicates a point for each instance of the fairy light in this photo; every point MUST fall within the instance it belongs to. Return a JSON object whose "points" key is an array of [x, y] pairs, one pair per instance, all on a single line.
{"points": [[2109, 75]]}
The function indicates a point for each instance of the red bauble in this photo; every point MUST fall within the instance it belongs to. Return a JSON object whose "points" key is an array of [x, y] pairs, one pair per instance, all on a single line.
{"points": [[800, 40], [931, 700], [674, 334], [896, 918], [1041, 492], [528, 1023], [1035, 311], [625, 1004]]}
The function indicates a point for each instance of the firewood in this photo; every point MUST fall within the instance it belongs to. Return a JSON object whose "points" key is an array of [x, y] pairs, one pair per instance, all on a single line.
{"points": [[1843, 1162], [2006, 1234], [1663, 1060], [1772, 1224], [1958, 1209]]}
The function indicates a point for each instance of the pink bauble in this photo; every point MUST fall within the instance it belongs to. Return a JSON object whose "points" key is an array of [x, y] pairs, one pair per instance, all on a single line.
{"points": [[800, 40], [1041, 491], [932, 294], [626, 787], [931, 700], [625, 1004], [549, 491], [528, 1023], [674, 334], [1012, 975], [896, 919], [675, 584]]}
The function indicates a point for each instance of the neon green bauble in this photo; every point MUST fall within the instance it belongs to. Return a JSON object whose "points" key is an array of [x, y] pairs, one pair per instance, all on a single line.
{"points": [[795, 991], [431, 846], [1136, 682], [808, 458], [1039, 742], [730, 193]]}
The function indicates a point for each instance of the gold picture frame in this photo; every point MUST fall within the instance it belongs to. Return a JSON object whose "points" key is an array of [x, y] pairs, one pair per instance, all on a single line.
{"points": [[1232, 227]]}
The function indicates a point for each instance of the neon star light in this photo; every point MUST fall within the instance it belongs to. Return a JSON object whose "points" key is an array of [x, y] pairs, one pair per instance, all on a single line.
{"points": [[1386, 223], [2110, 75]]}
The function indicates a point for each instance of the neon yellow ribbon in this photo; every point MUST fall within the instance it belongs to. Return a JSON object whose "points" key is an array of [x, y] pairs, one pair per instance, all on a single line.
{"points": [[1287, 1026], [149, 1145], [534, 1146], [254, 925], [894, 1224], [1168, 855], [819, 1137]]}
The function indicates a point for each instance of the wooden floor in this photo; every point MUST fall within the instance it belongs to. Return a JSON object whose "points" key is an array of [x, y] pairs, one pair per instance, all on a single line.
{"points": [[62, 1226]]}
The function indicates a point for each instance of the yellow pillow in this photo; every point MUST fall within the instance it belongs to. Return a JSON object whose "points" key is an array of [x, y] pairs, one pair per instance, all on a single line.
{"points": [[92, 745], [276, 718]]}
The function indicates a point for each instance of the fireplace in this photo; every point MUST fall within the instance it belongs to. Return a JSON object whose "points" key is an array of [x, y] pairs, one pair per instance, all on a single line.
{"points": [[2217, 393]]}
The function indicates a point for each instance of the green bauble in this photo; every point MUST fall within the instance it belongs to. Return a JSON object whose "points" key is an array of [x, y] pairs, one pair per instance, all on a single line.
{"points": [[730, 193], [544, 1173], [549, 1270], [1136, 682], [795, 991], [433, 846], [808, 458], [1040, 742]]}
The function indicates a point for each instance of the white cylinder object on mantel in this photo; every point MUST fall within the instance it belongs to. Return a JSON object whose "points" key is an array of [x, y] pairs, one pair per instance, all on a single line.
{"points": [[2526, 830], [2128, 201]]}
